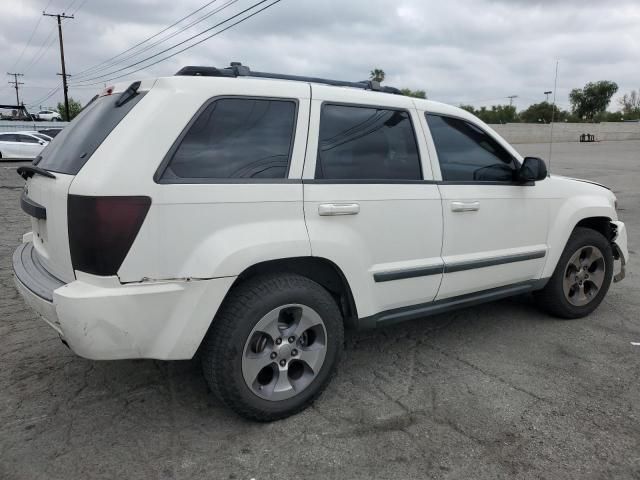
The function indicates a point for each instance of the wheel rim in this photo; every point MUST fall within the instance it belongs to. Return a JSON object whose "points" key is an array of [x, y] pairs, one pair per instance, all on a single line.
{"points": [[584, 275], [284, 352]]}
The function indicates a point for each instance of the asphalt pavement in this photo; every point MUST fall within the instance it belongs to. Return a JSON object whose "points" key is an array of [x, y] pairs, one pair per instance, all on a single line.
{"points": [[497, 391]]}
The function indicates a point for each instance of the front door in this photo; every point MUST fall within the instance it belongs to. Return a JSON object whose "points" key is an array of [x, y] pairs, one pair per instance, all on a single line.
{"points": [[495, 229]]}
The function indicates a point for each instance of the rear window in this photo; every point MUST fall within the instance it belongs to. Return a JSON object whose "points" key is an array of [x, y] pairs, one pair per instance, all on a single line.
{"points": [[236, 138], [71, 149]]}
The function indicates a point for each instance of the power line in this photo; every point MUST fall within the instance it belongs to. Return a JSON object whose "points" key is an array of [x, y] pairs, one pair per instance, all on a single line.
{"points": [[97, 66], [33, 32], [158, 42], [16, 85], [182, 43]]}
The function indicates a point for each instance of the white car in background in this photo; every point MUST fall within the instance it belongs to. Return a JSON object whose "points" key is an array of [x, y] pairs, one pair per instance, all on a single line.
{"points": [[22, 145], [49, 116]]}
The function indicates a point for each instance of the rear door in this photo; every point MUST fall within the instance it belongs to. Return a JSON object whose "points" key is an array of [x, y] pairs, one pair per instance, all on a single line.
{"points": [[371, 206], [29, 146], [9, 146]]}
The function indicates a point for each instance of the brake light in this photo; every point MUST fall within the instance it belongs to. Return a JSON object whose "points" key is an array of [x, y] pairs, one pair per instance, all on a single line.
{"points": [[102, 230]]}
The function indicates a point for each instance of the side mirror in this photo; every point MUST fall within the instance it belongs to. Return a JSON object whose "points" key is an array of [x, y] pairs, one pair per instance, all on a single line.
{"points": [[532, 169]]}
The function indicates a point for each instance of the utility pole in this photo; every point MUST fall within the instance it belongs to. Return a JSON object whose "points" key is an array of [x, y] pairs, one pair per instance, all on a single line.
{"points": [[65, 87], [511, 97], [547, 95], [16, 84]]}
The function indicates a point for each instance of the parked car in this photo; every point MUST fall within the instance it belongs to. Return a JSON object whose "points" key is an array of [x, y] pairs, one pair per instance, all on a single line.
{"points": [[49, 116], [21, 145], [38, 135], [50, 132], [264, 215]]}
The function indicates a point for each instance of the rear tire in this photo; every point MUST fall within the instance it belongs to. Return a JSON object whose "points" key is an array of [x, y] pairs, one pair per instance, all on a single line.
{"points": [[273, 346], [582, 276]]}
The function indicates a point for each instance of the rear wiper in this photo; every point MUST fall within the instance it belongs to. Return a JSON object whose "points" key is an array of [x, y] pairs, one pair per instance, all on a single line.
{"points": [[29, 171]]}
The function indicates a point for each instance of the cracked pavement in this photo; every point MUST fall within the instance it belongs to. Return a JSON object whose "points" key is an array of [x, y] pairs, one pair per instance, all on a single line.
{"points": [[497, 391]]}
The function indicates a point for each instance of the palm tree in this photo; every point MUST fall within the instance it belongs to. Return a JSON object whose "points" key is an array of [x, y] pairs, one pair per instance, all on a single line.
{"points": [[377, 75]]}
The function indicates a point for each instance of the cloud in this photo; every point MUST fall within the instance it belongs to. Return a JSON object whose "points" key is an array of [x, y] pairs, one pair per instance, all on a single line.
{"points": [[471, 51]]}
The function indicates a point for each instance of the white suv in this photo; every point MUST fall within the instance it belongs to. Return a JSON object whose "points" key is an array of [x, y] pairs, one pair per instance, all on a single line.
{"points": [[49, 115], [268, 212]]}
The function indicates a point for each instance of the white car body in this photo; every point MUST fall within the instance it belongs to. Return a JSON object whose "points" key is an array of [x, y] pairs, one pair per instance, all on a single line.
{"points": [[404, 249], [21, 145], [49, 116]]}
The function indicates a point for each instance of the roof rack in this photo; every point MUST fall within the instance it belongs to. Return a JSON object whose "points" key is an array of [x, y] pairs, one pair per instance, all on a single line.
{"points": [[236, 69]]}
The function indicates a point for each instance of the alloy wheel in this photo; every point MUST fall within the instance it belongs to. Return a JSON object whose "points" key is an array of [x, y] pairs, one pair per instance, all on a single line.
{"points": [[584, 275], [284, 352]]}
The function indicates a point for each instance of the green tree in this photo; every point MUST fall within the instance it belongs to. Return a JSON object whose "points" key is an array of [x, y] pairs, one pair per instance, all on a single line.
{"points": [[74, 109], [542, 112], [630, 103], [593, 99], [494, 114], [414, 93], [377, 75]]}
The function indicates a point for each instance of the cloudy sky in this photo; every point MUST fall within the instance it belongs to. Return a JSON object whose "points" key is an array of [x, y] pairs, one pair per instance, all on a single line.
{"points": [[459, 51]]}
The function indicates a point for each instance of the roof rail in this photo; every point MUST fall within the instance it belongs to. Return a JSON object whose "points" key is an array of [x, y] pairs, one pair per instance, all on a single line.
{"points": [[236, 69]]}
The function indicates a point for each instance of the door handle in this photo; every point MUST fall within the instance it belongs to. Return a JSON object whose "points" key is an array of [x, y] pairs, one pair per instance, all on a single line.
{"points": [[333, 209], [465, 206]]}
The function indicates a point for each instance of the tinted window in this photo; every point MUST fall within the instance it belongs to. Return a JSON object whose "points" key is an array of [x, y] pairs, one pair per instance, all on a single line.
{"points": [[72, 148], [467, 153], [27, 139], [8, 138], [363, 143], [237, 138]]}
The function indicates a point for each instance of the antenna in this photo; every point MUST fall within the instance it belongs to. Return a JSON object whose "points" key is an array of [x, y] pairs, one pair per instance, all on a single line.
{"points": [[553, 112]]}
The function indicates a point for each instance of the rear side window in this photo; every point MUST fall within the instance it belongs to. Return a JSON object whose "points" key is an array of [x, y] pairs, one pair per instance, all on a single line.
{"points": [[234, 138], [362, 143], [8, 138], [467, 153], [74, 145], [26, 139]]}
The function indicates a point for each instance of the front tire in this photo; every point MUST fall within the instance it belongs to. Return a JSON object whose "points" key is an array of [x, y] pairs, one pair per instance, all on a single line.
{"points": [[582, 276], [273, 346]]}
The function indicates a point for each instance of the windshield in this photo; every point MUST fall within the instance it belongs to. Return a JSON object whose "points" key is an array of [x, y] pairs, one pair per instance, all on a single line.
{"points": [[73, 146]]}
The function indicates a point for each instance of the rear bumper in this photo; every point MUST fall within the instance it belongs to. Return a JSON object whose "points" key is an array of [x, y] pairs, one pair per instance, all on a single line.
{"points": [[102, 319]]}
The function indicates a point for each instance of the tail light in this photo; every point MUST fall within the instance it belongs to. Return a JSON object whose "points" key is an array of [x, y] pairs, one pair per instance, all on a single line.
{"points": [[102, 230]]}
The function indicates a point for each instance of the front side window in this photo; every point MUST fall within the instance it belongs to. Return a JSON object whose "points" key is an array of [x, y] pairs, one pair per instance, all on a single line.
{"points": [[366, 143], [467, 153], [237, 138]]}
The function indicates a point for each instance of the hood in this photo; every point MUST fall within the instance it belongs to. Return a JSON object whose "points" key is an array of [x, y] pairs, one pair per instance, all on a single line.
{"points": [[582, 180]]}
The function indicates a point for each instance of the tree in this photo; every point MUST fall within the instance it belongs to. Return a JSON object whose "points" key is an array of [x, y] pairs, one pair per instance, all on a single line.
{"points": [[414, 93], [495, 114], [377, 75], [594, 98], [542, 113], [630, 103], [74, 109]]}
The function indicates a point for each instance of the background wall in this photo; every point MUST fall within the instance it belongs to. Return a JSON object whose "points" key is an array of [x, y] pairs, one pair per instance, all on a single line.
{"points": [[567, 132], [11, 126]]}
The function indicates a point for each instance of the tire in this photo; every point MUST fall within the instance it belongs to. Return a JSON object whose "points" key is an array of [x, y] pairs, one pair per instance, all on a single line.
{"points": [[234, 349], [581, 249]]}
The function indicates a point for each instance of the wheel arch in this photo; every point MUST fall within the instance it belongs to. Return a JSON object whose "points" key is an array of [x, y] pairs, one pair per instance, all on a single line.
{"points": [[598, 216], [321, 270]]}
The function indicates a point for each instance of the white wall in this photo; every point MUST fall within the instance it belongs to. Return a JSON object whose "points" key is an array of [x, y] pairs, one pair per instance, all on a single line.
{"points": [[11, 126], [567, 132]]}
